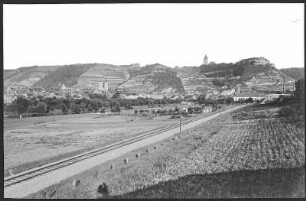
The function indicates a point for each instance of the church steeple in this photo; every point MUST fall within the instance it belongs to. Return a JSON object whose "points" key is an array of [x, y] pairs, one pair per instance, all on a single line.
{"points": [[205, 60]]}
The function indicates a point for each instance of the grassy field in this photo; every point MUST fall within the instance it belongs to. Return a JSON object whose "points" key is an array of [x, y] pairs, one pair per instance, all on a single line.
{"points": [[31, 142], [226, 157]]}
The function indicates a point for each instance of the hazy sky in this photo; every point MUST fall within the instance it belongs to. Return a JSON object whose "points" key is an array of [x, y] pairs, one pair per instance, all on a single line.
{"points": [[170, 34]]}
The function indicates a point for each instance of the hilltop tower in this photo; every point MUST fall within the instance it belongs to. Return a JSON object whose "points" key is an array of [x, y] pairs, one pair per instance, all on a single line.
{"points": [[205, 60]]}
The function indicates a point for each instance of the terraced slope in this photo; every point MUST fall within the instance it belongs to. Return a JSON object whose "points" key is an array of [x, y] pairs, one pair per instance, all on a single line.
{"points": [[153, 78], [114, 75]]}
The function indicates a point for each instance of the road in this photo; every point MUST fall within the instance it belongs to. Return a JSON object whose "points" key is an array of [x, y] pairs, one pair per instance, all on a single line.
{"points": [[38, 183]]}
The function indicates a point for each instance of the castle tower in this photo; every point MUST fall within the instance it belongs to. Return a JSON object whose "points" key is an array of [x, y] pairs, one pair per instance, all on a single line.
{"points": [[205, 60]]}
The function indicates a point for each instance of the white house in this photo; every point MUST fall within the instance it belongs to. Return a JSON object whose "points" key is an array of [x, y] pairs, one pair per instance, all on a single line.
{"points": [[245, 96], [207, 110], [277, 95]]}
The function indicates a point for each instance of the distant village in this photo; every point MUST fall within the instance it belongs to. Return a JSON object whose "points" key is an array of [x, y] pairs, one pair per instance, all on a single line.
{"points": [[11, 93]]}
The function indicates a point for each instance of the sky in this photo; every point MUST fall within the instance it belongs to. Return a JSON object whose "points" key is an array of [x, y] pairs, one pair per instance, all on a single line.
{"points": [[170, 34]]}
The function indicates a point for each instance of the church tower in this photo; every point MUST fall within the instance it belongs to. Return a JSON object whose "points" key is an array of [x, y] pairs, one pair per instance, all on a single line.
{"points": [[205, 60]]}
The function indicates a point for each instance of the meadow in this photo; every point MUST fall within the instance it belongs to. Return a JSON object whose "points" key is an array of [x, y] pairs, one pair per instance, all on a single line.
{"points": [[32, 142]]}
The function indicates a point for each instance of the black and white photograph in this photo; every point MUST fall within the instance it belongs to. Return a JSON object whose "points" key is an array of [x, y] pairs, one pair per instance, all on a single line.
{"points": [[153, 100]]}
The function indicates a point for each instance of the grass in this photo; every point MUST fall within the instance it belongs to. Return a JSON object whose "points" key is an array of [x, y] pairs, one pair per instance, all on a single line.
{"points": [[32, 142], [222, 158]]}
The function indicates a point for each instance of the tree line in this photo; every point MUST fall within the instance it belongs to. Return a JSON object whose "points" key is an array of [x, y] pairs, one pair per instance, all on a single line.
{"points": [[44, 106]]}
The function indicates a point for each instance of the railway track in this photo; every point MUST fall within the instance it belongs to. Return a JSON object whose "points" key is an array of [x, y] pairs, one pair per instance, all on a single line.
{"points": [[20, 177]]}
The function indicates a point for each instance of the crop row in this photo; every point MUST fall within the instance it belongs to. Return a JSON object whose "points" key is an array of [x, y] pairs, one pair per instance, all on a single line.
{"points": [[266, 144]]}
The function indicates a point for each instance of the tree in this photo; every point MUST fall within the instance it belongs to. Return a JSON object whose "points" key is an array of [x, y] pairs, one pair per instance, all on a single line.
{"points": [[102, 110], [75, 108], [229, 100], [22, 105], [41, 108], [89, 107], [83, 106], [11, 108], [64, 108], [300, 89], [201, 99], [115, 108], [95, 104], [249, 100]]}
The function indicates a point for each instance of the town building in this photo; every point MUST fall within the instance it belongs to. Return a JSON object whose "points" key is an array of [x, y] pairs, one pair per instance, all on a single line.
{"points": [[207, 110], [245, 96], [275, 96]]}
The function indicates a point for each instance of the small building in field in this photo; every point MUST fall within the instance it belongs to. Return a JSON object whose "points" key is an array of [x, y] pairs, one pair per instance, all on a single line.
{"points": [[207, 110], [245, 96]]}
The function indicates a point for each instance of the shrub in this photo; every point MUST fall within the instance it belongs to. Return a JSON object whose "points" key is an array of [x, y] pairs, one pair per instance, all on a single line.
{"points": [[287, 112], [135, 112], [58, 112]]}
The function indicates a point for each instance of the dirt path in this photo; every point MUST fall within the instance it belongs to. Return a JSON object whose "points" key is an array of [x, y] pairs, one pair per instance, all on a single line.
{"points": [[38, 183]]}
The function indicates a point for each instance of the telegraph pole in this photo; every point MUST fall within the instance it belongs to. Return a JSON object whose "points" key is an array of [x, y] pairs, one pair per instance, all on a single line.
{"points": [[180, 123]]}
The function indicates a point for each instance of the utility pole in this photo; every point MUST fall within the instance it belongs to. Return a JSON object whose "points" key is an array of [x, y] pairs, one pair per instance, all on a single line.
{"points": [[180, 123]]}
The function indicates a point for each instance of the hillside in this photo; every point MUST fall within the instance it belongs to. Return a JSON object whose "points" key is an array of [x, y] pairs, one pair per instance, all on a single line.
{"points": [[67, 75], [254, 74], [295, 73], [153, 78], [114, 75], [9, 73], [258, 74], [27, 76]]}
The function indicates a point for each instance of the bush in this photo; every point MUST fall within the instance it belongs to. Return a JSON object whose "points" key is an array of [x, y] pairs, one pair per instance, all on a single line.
{"points": [[57, 112], [287, 112]]}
